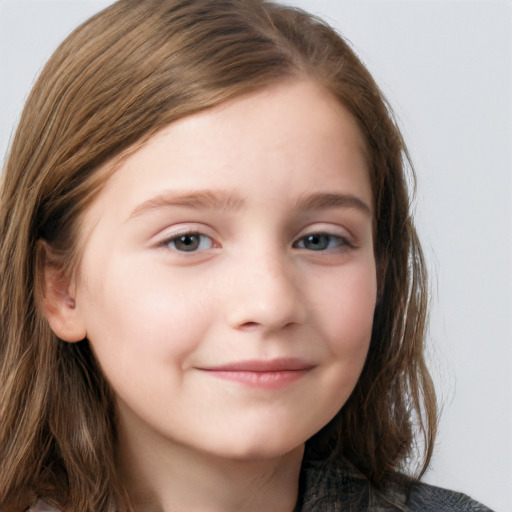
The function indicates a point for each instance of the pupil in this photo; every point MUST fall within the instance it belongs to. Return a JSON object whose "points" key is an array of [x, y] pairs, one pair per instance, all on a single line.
{"points": [[187, 242], [317, 242]]}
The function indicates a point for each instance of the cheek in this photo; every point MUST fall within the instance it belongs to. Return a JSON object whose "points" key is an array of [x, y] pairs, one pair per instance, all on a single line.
{"points": [[134, 313], [347, 319], [350, 302], [344, 319]]}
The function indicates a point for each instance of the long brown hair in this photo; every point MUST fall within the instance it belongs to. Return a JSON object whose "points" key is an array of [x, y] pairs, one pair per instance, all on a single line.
{"points": [[115, 81]]}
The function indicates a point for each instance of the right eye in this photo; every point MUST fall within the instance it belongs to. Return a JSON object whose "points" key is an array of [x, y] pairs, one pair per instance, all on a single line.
{"points": [[188, 242]]}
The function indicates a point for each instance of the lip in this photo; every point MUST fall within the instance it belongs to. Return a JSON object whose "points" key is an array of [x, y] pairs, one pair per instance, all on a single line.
{"points": [[265, 374]]}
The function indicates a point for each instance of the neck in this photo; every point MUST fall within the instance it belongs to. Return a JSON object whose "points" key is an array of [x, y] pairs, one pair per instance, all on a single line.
{"points": [[177, 478]]}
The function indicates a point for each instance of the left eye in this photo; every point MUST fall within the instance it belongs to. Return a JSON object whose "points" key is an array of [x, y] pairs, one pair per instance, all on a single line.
{"points": [[189, 242], [319, 242]]}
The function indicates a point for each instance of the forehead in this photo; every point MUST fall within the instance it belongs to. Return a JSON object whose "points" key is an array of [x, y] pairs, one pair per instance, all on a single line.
{"points": [[293, 135]]}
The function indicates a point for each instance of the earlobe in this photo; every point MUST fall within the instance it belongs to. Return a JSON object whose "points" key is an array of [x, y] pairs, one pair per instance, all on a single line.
{"points": [[58, 304]]}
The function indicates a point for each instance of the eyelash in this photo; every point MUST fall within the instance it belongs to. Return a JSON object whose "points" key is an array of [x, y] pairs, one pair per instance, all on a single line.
{"points": [[317, 238], [187, 235]]}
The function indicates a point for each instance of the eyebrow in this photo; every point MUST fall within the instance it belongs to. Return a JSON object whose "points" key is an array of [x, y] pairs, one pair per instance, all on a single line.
{"points": [[202, 199], [324, 201], [230, 202]]}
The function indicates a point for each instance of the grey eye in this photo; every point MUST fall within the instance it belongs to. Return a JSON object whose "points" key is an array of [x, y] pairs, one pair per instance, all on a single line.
{"points": [[319, 242], [190, 242]]}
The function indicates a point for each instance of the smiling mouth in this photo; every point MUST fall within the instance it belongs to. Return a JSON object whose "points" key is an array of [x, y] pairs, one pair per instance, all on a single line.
{"points": [[273, 374]]}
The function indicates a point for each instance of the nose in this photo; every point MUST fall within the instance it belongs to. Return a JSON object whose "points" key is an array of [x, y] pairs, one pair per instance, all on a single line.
{"points": [[265, 293]]}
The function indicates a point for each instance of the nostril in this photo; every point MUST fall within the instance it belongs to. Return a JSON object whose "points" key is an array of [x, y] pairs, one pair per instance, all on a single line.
{"points": [[249, 326]]}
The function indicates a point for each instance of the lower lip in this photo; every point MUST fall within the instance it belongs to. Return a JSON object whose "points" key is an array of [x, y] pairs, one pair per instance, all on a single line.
{"points": [[257, 379]]}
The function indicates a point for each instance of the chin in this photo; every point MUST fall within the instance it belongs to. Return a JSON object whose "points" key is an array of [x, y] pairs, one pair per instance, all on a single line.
{"points": [[259, 448]]}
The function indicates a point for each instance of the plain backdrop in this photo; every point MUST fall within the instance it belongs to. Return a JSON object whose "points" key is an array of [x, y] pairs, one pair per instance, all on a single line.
{"points": [[446, 68]]}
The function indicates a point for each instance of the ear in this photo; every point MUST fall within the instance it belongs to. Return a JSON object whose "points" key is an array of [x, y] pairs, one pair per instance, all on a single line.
{"points": [[58, 302]]}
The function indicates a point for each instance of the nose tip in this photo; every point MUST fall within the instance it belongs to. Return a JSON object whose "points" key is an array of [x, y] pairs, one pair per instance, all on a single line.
{"points": [[267, 299]]}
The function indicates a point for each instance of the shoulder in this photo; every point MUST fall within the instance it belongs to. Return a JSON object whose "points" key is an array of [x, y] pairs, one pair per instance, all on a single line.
{"points": [[326, 487], [428, 497]]}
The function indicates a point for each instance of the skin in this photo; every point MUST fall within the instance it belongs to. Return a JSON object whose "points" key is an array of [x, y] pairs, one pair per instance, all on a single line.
{"points": [[231, 346]]}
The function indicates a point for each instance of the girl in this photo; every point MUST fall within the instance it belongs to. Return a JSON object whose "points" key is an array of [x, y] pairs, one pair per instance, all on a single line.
{"points": [[213, 297]]}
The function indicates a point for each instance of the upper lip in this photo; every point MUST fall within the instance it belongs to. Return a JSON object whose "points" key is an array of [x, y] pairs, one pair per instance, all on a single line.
{"points": [[263, 365]]}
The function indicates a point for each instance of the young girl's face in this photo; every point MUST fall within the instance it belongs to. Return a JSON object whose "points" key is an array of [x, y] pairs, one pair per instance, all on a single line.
{"points": [[228, 281]]}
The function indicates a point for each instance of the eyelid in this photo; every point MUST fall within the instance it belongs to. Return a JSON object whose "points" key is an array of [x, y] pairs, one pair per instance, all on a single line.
{"points": [[341, 243], [174, 243], [327, 229], [167, 236]]}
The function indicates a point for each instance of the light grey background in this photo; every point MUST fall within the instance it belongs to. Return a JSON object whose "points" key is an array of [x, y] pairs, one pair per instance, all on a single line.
{"points": [[446, 67]]}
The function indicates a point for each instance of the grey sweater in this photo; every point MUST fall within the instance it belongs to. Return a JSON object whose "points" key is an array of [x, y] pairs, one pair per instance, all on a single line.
{"points": [[339, 487]]}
